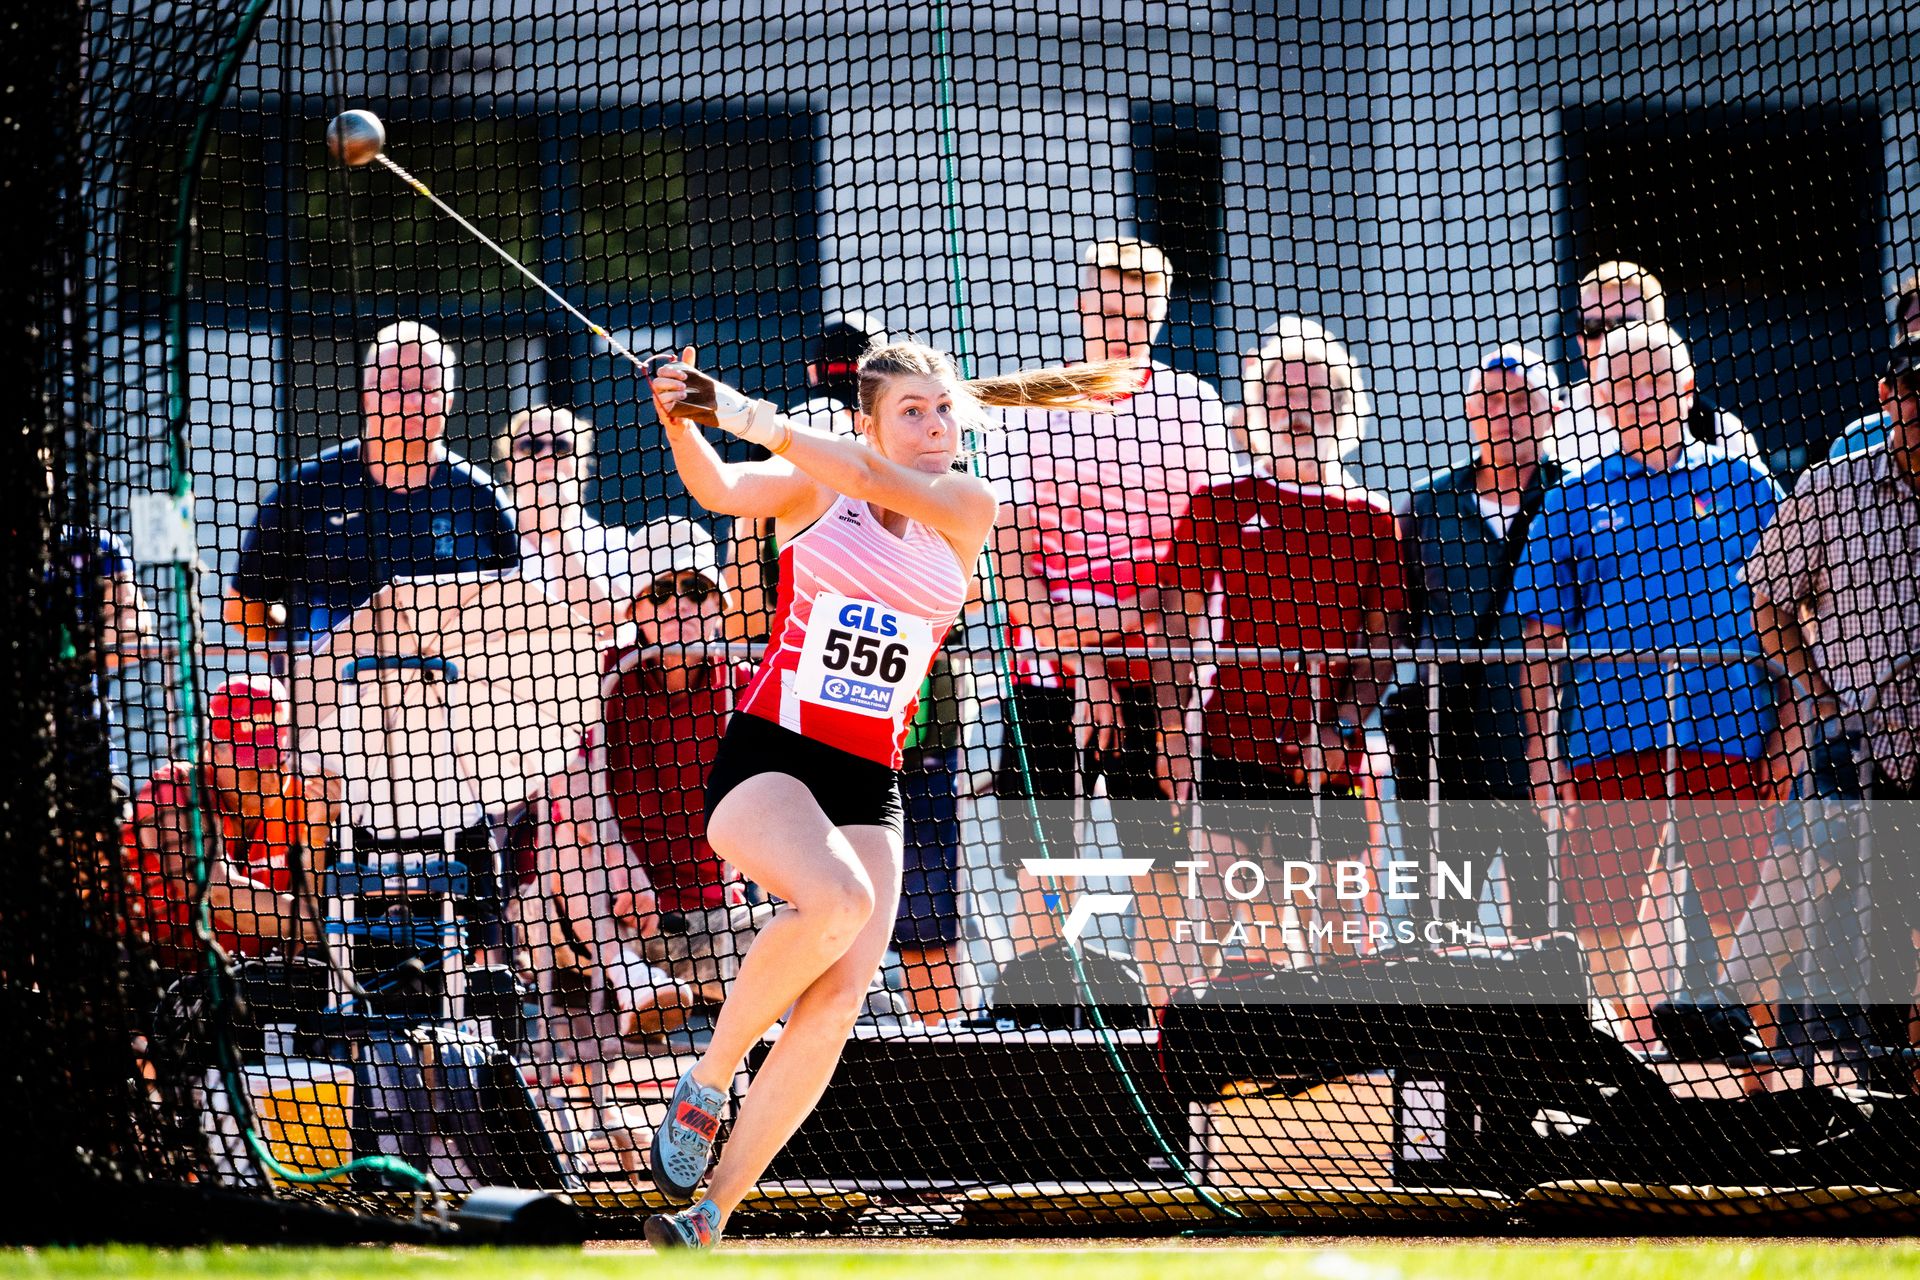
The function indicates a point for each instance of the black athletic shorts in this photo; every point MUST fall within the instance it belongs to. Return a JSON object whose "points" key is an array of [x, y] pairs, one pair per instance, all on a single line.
{"points": [[851, 790]]}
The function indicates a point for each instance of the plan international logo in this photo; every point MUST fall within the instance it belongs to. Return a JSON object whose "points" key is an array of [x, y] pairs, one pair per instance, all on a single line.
{"points": [[1355, 885], [876, 698]]}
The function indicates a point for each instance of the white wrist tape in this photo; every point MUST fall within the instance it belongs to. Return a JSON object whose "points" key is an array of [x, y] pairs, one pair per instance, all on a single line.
{"points": [[756, 422]]}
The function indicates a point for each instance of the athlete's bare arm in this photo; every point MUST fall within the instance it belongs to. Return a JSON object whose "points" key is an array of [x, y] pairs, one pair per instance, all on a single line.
{"points": [[959, 506]]}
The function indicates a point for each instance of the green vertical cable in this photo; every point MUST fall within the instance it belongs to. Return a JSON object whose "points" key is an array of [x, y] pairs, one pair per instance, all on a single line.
{"points": [[187, 612], [949, 150], [179, 468]]}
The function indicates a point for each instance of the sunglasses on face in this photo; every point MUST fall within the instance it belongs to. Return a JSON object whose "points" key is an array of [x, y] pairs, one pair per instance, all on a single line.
{"points": [[543, 447], [1598, 324], [691, 588]]}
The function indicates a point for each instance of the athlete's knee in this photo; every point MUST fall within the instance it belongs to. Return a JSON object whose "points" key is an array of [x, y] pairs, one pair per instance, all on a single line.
{"points": [[736, 825], [838, 903]]}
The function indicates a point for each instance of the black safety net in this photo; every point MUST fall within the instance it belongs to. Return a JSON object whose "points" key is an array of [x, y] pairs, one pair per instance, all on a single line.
{"points": [[1212, 615]]}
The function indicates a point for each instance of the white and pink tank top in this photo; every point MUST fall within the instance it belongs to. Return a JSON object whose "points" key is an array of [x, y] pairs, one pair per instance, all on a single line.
{"points": [[1102, 491], [860, 616]]}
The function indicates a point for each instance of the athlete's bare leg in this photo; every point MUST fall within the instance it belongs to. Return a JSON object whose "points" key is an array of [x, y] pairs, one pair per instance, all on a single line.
{"points": [[771, 828], [840, 888]]}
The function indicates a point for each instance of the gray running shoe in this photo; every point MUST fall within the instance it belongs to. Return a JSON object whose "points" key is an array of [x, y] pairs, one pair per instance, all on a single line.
{"points": [[688, 1229], [683, 1144]]}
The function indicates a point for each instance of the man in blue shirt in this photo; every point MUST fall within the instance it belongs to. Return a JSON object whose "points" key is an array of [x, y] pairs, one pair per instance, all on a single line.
{"points": [[1644, 550], [1611, 295], [394, 503]]}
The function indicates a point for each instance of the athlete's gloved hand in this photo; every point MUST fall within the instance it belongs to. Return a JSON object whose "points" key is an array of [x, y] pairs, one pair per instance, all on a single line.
{"points": [[682, 391]]}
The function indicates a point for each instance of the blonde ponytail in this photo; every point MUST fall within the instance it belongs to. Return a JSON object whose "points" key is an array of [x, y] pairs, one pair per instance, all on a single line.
{"points": [[1076, 386], [1079, 386]]}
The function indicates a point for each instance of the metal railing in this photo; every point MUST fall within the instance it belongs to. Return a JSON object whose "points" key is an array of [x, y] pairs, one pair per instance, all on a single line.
{"points": [[1428, 664]]}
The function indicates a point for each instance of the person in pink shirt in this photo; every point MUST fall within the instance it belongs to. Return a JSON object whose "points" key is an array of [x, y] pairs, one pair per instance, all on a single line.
{"points": [[1089, 501]]}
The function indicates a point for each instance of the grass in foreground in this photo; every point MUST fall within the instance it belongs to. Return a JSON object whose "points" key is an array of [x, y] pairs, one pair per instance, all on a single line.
{"points": [[950, 1260]]}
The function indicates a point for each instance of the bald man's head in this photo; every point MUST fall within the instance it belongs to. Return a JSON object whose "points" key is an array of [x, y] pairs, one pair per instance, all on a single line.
{"points": [[407, 382]]}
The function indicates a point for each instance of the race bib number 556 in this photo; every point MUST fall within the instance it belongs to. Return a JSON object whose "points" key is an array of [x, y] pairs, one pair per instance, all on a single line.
{"points": [[862, 657]]}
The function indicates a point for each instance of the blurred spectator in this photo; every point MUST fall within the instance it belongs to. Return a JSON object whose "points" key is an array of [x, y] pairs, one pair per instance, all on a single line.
{"points": [[1464, 532], [1295, 556], [1866, 432], [833, 372], [1089, 500], [639, 871], [1611, 295], [1835, 581], [1643, 551], [549, 454], [927, 929], [257, 817], [833, 365], [104, 603], [395, 503], [103, 570], [99, 613]]}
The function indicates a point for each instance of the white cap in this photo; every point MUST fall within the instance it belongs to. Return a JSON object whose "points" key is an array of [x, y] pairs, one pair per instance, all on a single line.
{"points": [[1529, 362], [680, 545]]}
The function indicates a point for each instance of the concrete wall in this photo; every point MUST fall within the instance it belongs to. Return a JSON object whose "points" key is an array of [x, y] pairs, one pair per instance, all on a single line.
{"points": [[1392, 169]]}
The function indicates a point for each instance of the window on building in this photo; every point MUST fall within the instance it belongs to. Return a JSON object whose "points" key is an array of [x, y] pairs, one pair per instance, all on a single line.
{"points": [[708, 207], [228, 239], [375, 236], [1179, 204], [1764, 228]]}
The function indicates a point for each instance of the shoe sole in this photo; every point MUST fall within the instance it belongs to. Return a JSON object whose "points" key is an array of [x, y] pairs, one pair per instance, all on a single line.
{"points": [[664, 1183]]}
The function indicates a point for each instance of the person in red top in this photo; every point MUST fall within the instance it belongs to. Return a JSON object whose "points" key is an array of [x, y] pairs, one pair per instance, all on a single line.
{"points": [[665, 715], [255, 816], [1295, 556], [632, 870]]}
